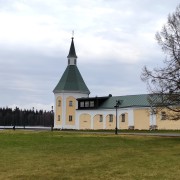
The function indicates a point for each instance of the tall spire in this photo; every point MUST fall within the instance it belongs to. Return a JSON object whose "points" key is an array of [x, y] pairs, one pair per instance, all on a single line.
{"points": [[72, 52], [71, 80]]}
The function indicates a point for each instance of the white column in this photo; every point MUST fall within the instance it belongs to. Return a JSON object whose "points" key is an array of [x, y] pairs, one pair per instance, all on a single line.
{"points": [[152, 119], [63, 111], [92, 122], [54, 111], [130, 117], [77, 120], [104, 121]]}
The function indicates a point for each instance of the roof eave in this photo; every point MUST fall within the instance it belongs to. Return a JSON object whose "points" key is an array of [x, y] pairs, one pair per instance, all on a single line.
{"points": [[69, 56], [69, 91]]}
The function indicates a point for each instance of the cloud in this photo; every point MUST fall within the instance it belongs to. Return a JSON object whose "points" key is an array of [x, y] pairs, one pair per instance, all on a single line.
{"points": [[113, 40]]}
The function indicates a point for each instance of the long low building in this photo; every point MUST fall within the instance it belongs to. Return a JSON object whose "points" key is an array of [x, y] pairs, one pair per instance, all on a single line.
{"points": [[74, 109]]}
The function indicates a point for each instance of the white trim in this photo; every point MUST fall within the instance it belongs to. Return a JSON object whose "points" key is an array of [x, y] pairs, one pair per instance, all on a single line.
{"points": [[152, 118], [92, 122], [131, 117], [55, 112], [104, 122], [72, 61]]}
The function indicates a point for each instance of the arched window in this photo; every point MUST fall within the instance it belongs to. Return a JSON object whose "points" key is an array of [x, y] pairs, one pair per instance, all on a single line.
{"points": [[70, 118], [100, 118], [70, 103], [110, 118], [59, 103], [123, 118], [163, 115]]}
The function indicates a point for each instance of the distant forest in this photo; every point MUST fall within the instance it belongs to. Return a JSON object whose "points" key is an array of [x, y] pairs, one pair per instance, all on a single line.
{"points": [[17, 117]]}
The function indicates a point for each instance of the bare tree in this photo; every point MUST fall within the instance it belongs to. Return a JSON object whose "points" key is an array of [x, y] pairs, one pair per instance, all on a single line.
{"points": [[164, 83]]}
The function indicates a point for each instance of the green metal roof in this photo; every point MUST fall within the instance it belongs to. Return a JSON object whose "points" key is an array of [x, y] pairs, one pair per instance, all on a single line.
{"points": [[71, 81], [126, 101]]}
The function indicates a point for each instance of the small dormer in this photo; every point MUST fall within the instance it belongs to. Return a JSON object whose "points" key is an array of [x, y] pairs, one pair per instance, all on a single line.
{"points": [[91, 102]]}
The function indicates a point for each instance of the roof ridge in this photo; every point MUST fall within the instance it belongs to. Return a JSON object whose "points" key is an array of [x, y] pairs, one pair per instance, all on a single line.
{"points": [[131, 95]]}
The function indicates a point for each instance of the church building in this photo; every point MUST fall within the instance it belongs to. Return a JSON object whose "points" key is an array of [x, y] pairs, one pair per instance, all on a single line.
{"points": [[75, 109]]}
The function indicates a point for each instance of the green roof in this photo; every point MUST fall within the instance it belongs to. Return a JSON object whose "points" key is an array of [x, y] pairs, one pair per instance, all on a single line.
{"points": [[71, 81], [126, 101]]}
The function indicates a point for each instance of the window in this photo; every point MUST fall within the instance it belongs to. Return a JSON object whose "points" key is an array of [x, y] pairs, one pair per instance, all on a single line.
{"points": [[70, 118], [59, 103], [163, 115], [91, 103], [123, 118], [70, 103], [68, 61], [59, 117], [82, 104], [86, 103], [110, 118], [100, 118]]}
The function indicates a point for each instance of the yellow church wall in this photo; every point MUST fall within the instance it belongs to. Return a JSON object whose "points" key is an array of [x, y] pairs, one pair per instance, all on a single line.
{"points": [[141, 119], [97, 123], [123, 125], [85, 121], [58, 110], [110, 125], [166, 123], [70, 110]]}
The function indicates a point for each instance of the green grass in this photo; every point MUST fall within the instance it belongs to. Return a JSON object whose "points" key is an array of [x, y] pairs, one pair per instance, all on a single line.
{"points": [[61, 155]]}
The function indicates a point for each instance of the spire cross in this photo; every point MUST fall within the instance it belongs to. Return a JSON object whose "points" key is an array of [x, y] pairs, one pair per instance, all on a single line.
{"points": [[73, 34]]}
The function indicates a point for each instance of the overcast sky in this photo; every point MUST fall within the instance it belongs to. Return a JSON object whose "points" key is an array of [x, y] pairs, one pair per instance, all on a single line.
{"points": [[114, 39]]}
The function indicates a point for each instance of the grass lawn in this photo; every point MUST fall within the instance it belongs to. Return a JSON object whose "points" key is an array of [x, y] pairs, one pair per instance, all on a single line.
{"points": [[61, 155]]}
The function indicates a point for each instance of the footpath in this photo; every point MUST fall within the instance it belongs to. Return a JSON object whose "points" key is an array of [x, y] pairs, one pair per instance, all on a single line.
{"points": [[41, 128]]}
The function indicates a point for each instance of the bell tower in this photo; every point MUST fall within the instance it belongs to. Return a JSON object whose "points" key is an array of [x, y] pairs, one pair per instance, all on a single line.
{"points": [[70, 87]]}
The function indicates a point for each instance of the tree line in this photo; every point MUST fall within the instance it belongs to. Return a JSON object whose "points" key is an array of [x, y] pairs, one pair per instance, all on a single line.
{"points": [[18, 117]]}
